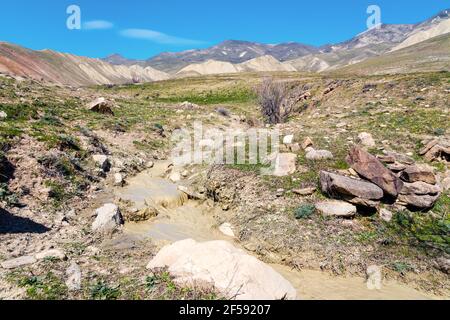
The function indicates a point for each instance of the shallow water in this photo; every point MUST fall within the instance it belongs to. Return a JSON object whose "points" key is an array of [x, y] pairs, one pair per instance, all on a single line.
{"points": [[186, 219]]}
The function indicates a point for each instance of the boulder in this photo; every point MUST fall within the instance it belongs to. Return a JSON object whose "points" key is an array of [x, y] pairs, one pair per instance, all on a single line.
{"points": [[420, 188], [417, 173], [18, 262], [233, 272], [108, 218], [318, 155], [373, 170], [338, 186], [336, 208], [102, 162], [3, 115], [366, 140], [101, 105], [419, 201], [285, 164]]}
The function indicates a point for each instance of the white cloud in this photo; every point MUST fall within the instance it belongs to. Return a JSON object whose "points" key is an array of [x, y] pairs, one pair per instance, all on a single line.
{"points": [[157, 37], [98, 25]]}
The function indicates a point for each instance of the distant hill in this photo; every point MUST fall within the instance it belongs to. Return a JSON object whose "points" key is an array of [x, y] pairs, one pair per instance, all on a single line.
{"points": [[430, 55], [68, 69]]}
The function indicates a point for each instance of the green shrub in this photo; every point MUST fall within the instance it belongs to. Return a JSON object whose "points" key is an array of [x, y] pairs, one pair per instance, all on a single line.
{"points": [[305, 211]]}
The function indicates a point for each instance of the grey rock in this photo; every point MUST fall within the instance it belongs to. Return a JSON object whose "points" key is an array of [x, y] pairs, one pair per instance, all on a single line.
{"points": [[18, 262], [107, 218], [338, 186]]}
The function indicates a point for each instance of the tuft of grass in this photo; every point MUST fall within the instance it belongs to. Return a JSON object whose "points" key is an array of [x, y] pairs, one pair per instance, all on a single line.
{"points": [[48, 287], [102, 291]]}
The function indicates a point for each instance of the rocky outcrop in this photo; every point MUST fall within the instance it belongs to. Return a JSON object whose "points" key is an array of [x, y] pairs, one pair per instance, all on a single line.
{"points": [[373, 170], [234, 273]]}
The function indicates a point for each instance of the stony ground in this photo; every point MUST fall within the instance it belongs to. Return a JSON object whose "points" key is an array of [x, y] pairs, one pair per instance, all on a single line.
{"points": [[51, 183]]}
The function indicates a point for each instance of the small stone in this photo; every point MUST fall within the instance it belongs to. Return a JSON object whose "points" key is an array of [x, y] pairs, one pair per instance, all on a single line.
{"points": [[175, 177], [386, 215], [374, 277], [295, 148], [285, 164], [336, 208], [73, 281], [319, 155], [227, 230], [108, 218], [307, 143], [289, 139], [18, 262], [396, 167], [102, 162], [51, 254], [305, 191], [118, 180], [366, 140], [3, 115], [150, 165]]}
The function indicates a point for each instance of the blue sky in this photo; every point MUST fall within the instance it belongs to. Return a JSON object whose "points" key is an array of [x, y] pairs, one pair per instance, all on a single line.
{"points": [[142, 28]]}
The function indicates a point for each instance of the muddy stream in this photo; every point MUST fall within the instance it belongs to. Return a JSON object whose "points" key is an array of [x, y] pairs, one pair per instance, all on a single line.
{"points": [[182, 218]]}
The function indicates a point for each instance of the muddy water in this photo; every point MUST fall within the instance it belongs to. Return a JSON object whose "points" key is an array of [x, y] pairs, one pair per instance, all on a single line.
{"points": [[186, 219]]}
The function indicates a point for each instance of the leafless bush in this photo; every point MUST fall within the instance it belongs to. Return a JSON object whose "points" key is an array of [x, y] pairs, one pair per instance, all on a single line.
{"points": [[276, 100]]}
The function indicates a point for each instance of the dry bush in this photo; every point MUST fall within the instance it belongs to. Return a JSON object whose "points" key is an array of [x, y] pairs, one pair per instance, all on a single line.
{"points": [[276, 100]]}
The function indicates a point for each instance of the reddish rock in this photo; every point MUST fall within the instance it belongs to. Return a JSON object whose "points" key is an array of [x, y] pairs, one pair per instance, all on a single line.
{"points": [[369, 167]]}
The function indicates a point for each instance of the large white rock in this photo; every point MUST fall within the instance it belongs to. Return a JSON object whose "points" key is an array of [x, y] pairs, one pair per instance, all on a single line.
{"points": [[336, 208], [108, 218], [3, 115], [285, 164], [232, 271]]}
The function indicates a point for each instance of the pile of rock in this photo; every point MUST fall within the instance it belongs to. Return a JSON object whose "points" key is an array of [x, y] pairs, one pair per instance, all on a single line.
{"points": [[402, 181]]}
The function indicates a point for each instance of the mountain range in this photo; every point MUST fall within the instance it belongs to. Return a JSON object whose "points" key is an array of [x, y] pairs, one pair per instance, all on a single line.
{"points": [[383, 44]]}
